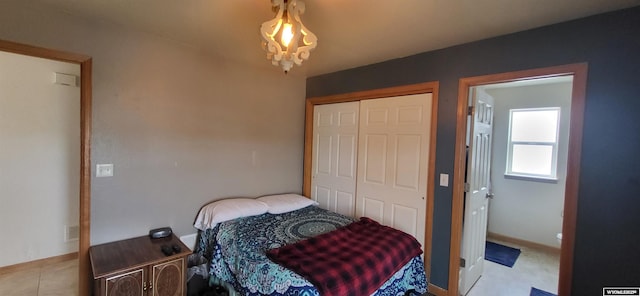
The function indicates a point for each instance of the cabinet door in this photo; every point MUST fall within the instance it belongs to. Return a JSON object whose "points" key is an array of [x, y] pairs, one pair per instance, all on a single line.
{"points": [[168, 278], [127, 284]]}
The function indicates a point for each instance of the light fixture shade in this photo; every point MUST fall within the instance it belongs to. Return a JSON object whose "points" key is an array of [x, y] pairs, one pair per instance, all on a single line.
{"points": [[285, 38]]}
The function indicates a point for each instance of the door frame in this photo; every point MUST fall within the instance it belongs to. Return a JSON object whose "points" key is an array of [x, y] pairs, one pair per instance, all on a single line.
{"points": [[579, 72], [85, 63], [419, 88]]}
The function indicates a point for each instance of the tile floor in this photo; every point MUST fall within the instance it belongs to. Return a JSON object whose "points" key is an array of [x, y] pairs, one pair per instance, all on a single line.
{"points": [[534, 268], [59, 279]]}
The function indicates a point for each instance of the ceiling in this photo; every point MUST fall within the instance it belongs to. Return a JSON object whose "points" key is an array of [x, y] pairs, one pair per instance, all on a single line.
{"points": [[350, 32]]}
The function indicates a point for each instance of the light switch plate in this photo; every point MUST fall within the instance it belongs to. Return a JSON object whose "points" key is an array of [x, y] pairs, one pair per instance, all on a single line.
{"points": [[444, 180], [104, 170]]}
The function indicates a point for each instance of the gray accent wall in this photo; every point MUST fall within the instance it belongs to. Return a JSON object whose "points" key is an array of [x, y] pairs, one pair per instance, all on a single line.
{"points": [[608, 224], [181, 127]]}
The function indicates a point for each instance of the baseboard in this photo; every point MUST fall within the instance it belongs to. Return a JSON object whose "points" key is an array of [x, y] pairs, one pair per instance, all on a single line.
{"points": [[38, 263], [437, 291], [524, 243]]}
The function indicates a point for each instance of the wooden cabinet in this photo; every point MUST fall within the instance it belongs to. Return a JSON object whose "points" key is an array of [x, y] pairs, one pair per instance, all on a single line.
{"points": [[138, 267], [128, 283]]}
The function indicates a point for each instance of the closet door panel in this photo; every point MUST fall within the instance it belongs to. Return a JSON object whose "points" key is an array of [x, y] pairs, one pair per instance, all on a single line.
{"points": [[408, 154], [334, 156], [404, 218], [393, 154], [371, 207], [347, 145], [345, 203], [322, 195], [324, 153], [374, 159]]}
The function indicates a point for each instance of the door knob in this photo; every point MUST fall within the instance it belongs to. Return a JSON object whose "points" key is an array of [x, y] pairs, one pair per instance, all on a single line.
{"points": [[490, 195]]}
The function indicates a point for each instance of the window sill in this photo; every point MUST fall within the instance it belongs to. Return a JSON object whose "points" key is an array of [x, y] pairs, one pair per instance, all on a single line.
{"points": [[531, 178]]}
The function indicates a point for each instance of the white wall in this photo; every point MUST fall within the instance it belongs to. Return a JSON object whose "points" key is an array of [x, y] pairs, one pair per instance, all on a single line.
{"points": [[182, 127], [522, 209], [39, 158]]}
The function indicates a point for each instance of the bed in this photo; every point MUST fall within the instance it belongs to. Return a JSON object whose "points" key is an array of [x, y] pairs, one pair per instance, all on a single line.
{"points": [[237, 250]]}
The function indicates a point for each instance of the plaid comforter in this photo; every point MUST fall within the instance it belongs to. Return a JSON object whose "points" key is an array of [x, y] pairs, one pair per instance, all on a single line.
{"points": [[352, 260]]}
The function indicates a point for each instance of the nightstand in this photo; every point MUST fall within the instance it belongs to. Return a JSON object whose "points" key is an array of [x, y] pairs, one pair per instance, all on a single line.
{"points": [[138, 266]]}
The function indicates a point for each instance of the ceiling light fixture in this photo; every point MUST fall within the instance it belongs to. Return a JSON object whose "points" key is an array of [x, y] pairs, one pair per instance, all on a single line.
{"points": [[285, 38]]}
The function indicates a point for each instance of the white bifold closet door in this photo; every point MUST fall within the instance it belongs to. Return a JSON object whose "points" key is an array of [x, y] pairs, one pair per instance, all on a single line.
{"points": [[370, 158], [392, 162], [335, 140]]}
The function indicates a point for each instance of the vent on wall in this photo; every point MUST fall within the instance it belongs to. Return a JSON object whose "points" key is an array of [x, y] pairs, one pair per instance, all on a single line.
{"points": [[65, 79], [71, 233]]}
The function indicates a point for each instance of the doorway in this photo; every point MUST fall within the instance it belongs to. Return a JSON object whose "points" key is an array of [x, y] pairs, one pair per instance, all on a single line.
{"points": [[84, 149], [528, 128], [578, 71]]}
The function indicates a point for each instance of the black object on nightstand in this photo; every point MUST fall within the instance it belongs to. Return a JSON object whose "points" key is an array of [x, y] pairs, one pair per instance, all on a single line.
{"points": [[160, 232], [170, 250], [166, 250]]}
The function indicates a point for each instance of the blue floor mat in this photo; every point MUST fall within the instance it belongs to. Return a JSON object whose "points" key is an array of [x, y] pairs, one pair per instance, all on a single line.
{"points": [[538, 292], [500, 254]]}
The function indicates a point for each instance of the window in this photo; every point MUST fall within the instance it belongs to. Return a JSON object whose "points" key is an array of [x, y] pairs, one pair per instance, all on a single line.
{"points": [[533, 143]]}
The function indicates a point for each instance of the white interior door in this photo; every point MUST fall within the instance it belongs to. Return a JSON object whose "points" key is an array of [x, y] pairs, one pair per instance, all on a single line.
{"points": [[392, 161], [335, 146], [474, 229]]}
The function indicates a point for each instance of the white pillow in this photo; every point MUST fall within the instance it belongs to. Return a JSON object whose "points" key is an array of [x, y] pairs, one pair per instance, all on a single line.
{"points": [[228, 209], [283, 203]]}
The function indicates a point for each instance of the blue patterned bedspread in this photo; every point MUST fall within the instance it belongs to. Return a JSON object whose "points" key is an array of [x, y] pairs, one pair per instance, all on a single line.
{"points": [[237, 249]]}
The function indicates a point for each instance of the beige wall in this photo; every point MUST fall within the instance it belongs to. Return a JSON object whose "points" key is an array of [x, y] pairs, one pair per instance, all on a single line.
{"points": [[180, 126], [39, 158]]}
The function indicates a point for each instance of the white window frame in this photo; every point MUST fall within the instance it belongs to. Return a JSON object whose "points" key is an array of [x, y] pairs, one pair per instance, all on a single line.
{"points": [[553, 176]]}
